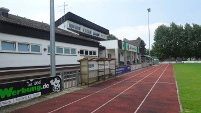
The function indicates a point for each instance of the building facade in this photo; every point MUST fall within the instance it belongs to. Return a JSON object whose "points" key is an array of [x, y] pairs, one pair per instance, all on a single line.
{"points": [[24, 44]]}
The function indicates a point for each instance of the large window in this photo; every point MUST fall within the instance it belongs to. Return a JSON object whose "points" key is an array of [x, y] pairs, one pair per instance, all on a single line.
{"points": [[82, 52], [86, 52], [75, 27], [90, 52], [59, 50], [96, 34], [73, 51], [71, 26], [23, 47], [94, 52], [87, 31], [35, 48], [66, 50], [8, 46]]}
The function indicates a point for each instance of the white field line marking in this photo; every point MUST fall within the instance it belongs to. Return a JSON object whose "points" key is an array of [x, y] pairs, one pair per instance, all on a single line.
{"points": [[96, 92], [158, 83], [124, 91], [150, 90], [181, 110], [180, 105]]}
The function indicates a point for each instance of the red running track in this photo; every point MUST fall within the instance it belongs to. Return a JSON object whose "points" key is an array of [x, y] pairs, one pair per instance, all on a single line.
{"points": [[149, 90]]}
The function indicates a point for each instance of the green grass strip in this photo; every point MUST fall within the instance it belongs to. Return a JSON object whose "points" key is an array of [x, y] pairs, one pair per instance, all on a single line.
{"points": [[188, 77]]}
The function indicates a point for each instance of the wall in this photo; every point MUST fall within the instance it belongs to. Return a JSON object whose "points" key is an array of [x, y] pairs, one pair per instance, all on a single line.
{"points": [[110, 44], [18, 59]]}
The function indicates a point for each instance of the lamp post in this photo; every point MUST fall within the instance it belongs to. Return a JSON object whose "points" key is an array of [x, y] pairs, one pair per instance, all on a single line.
{"points": [[149, 10], [52, 40]]}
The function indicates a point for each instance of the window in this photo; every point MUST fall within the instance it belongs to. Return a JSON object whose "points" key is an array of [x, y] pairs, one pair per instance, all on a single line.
{"points": [[23, 47], [59, 50], [87, 31], [73, 51], [91, 65], [9, 46], [81, 52], [71, 26], [66, 51], [35, 48], [109, 56], [48, 49], [90, 53], [75, 27], [86, 52], [94, 52], [96, 34]]}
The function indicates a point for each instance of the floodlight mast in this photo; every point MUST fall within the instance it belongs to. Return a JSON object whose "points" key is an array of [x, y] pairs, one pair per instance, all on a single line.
{"points": [[149, 10]]}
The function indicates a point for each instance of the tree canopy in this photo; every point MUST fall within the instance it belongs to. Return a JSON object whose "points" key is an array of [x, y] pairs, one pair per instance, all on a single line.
{"points": [[111, 37], [177, 41]]}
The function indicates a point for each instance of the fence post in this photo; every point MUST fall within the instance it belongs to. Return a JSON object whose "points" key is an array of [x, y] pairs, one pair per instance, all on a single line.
{"points": [[62, 80], [77, 78]]}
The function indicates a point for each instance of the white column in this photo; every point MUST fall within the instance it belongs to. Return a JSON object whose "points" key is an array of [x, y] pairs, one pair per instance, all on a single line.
{"points": [[116, 55], [136, 58]]}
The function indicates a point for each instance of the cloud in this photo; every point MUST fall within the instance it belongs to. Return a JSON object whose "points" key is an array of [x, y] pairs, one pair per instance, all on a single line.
{"points": [[133, 32]]}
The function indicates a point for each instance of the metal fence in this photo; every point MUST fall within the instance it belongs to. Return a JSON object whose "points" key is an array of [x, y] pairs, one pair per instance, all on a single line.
{"points": [[70, 78]]}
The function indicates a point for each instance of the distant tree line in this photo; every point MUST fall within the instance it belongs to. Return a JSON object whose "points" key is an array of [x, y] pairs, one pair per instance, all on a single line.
{"points": [[177, 41]]}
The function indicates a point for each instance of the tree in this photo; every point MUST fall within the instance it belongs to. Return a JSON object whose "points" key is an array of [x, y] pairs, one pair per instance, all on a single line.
{"points": [[142, 46], [138, 38], [177, 41], [162, 44], [111, 37]]}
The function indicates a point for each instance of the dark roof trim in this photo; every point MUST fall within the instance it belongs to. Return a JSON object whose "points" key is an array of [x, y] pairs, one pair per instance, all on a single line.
{"points": [[14, 29], [77, 19]]}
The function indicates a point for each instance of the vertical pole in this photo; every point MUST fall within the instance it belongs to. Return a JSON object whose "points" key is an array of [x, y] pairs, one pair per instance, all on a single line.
{"points": [[149, 10], [52, 39], [62, 80], [149, 29]]}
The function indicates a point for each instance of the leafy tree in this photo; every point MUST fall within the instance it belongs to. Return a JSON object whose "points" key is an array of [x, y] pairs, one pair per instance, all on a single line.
{"points": [[177, 41], [141, 40], [162, 44], [111, 37], [143, 49]]}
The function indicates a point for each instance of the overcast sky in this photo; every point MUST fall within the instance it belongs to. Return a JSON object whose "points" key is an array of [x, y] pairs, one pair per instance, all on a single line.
{"points": [[124, 18]]}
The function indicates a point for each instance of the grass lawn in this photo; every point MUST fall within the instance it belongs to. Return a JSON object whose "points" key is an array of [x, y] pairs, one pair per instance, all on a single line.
{"points": [[188, 77]]}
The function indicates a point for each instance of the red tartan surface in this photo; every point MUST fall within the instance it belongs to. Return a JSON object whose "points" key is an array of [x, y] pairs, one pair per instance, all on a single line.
{"points": [[149, 90]]}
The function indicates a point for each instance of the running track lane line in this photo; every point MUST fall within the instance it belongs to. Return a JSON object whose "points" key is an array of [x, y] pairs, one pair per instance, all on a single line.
{"points": [[96, 92], [150, 90], [124, 90]]}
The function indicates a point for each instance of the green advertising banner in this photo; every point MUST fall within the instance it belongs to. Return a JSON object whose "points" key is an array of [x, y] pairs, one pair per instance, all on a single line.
{"points": [[11, 93], [138, 50], [125, 46]]}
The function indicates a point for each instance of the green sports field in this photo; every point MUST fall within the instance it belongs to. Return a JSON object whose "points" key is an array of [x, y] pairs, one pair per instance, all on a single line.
{"points": [[188, 77]]}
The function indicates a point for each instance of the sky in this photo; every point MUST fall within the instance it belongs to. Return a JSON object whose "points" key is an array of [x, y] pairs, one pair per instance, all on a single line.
{"points": [[123, 18]]}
